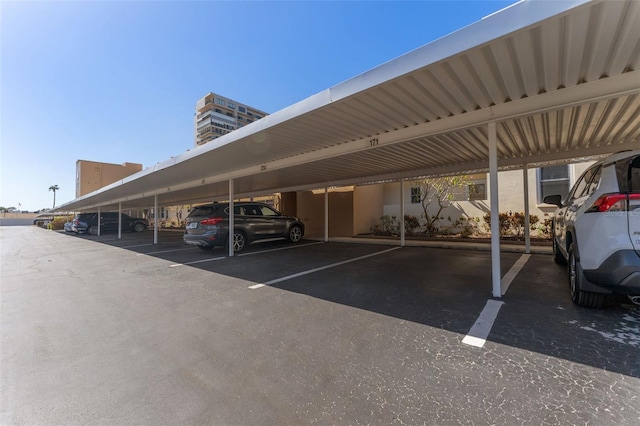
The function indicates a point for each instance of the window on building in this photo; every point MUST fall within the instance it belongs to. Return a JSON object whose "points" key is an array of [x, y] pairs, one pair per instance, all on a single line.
{"points": [[553, 180], [242, 109], [415, 195], [231, 105], [220, 101], [477, 191]]}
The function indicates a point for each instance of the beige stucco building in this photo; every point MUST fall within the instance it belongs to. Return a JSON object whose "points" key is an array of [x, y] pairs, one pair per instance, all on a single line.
{"points": [[216, 116], [93, 175], [357, 209]]}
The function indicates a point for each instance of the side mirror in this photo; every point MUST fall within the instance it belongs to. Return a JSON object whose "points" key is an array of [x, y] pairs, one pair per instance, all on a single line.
{"points": [[556, 200]]}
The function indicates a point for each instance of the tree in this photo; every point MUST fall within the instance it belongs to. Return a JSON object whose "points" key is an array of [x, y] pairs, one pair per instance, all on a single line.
{"points": [[440, 191], [54, 188]]}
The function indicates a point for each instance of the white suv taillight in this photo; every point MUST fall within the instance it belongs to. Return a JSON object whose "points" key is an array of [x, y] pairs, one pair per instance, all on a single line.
{"points": [[612, 203]]}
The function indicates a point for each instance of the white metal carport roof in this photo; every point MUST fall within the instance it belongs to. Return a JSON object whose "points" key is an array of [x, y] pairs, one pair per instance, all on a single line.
{"points": [[540, 81], [560, 79]]}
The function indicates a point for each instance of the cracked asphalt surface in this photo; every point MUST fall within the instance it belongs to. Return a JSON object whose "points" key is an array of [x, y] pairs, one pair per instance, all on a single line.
{"points": [[94, 331]]}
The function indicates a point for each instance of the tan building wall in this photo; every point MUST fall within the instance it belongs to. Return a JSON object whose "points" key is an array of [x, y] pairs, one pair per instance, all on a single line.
{"points": [[352, 210], [92, 175], [367, 207], [311, 212]]}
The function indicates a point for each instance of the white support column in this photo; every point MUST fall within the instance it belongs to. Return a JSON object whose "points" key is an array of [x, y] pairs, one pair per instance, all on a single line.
{"points": [[495, 211], [99, 220], [231, 217], [527, 228], [119, 221], [326, 214], [402, 230], [155, 219]]}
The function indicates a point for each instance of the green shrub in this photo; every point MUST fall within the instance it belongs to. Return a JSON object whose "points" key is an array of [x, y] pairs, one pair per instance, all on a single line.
{"points": [[411, 223]]}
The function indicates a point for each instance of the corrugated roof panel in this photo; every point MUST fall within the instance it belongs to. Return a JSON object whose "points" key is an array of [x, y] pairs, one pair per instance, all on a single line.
{"points": [[507, 66], [466, 72], [625, 51], [576, 34], [484, 62], [433, 107], [552, 53], [455, 89], [438, 92], [528, 62]]}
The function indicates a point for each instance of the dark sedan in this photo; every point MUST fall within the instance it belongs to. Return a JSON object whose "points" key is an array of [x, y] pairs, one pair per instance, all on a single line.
{"points": [[88, 223]]}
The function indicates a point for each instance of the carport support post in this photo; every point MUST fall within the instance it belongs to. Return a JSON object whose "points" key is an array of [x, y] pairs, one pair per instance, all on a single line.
{"points": [[231, 218], [99, 219], [402, 230], [495, 211], [527, 228], [326, 214], [119, 221], [155, 219]]}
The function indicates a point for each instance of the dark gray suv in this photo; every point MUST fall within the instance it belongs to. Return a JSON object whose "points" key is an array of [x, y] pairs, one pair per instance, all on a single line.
{"points": [[208, 225], [88, 223]]}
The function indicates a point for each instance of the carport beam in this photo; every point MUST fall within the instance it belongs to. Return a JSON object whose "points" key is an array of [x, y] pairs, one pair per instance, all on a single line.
{"points": [[495, 211], [527, 228], [231, 218], [119, 221], [402, 230], [326, 214], [155, 219]]}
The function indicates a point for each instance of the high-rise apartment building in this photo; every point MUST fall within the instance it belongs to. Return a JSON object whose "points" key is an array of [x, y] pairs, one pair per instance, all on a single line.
{"points": [[217, 116]]}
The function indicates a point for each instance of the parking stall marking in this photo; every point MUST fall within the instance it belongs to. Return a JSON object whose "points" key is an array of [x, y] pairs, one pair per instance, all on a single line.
{"points": [[164, 251], [137, 245], [281, 248], [175, 265], [515, 269], [479, 332], [311, 271]]}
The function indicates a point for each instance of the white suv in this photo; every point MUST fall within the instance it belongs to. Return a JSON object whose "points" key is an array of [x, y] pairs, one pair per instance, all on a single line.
{"points": [[596, 230]]}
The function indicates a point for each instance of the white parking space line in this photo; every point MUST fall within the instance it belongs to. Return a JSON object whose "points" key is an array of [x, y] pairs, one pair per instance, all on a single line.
{"points": [[196, 261], [281, 248], [164, 251], [137, 245], [311, 271], [515, 269], [479, 332], [253, 287]]}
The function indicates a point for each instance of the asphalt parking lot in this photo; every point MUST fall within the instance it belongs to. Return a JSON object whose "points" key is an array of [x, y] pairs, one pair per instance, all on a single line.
{"points": [[101, 331]]}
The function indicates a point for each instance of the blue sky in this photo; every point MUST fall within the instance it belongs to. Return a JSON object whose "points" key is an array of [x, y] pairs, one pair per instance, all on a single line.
{"points": [[117, 81]]}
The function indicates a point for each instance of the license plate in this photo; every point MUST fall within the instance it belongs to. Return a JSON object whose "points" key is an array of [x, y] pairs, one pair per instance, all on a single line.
{"points": [[192, 225]]}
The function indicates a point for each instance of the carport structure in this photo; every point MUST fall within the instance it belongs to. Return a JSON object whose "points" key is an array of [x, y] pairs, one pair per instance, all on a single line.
{"points": [[536, 83]]}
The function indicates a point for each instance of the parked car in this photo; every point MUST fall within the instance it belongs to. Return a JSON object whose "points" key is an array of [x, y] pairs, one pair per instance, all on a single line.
{"points": [[207, 226], [88, 223], [68, 227], [596, 230]]}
